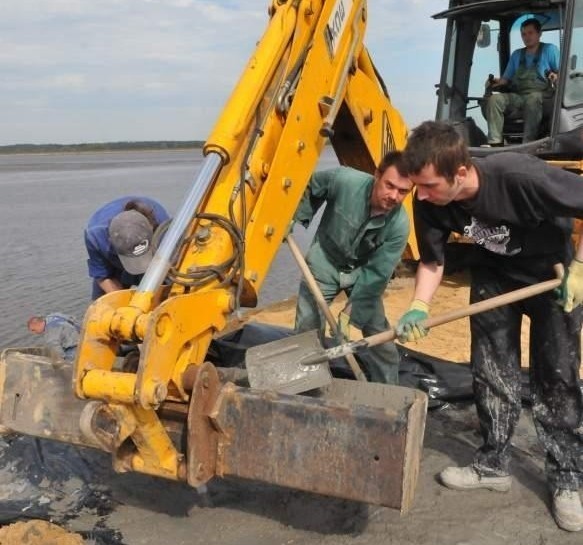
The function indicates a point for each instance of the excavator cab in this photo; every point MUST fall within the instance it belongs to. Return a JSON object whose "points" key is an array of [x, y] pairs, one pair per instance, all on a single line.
{"points": [[479, 40]]}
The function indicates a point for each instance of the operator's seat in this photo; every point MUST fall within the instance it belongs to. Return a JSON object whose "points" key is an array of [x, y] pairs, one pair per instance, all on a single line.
{"points": [[513, 128]]}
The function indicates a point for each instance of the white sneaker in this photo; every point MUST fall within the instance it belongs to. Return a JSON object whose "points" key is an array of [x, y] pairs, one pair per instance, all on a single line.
{"points": [[567, 510], [466, 478]]}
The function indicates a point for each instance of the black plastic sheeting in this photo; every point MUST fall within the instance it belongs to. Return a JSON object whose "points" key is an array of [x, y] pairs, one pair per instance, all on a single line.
{"points": [[51, 481], [442, 380]]}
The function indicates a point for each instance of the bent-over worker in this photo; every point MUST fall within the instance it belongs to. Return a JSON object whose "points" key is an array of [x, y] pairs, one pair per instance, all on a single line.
{"points": [[518, 210], [61, 333], [118, 239], [357, 245]]}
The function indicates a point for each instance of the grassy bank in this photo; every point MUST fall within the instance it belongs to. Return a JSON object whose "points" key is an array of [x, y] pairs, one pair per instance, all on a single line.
{"points": [[101, 146]]}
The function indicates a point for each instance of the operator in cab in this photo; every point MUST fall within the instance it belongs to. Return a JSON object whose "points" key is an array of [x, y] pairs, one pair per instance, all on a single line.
{"points": [[529, 76], [357, 245], [119, 242]]}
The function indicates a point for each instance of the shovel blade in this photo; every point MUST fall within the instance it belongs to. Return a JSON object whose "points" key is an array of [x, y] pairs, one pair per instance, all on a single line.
{"points": [[277, 365]]}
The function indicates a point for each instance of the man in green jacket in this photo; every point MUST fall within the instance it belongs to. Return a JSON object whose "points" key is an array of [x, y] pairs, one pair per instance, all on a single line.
{"points": [[358, 243]]}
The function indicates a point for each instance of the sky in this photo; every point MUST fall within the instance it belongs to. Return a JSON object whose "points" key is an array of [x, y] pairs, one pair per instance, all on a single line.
{"points": [[78, 71]]}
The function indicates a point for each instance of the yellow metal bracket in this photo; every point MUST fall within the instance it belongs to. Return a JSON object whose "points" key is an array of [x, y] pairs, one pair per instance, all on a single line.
{"points": [[179, 333], [97, 347], [155, 453]]}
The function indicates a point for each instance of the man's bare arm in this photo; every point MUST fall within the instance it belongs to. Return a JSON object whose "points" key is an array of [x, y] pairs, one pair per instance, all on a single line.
{"points": [[427, 281], [109, 285]]}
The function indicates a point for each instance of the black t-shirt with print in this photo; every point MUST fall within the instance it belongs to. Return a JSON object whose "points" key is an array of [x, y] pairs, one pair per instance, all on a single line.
{"points": [[520, 219]]}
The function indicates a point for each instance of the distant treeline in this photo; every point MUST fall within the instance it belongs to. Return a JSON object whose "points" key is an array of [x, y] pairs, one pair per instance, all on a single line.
{"points": [[101, 146]]}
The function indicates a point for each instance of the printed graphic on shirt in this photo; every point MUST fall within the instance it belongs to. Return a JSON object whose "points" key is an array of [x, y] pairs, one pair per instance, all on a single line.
{"points": [[494, 238]]}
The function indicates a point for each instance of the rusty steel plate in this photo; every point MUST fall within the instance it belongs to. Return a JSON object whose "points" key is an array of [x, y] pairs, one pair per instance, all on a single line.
{"points": [[341, 444], [202, 436]]}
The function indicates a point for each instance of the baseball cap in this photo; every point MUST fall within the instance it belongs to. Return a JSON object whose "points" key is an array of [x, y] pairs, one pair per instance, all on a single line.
{"points": [[130, 234]]}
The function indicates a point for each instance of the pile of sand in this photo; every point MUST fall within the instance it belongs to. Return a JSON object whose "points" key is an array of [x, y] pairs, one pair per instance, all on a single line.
{"points": [[37, 532]]}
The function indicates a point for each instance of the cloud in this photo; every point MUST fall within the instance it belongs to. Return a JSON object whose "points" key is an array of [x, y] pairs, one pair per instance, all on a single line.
{"points": [[155, 58]]}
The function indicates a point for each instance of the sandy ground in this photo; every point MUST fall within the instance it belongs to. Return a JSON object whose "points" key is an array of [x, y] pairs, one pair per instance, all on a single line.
{"points": [[151, 511], [37, 532]]}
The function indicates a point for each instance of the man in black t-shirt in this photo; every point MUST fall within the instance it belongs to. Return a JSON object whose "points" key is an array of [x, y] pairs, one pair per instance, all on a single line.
{"points": [[518, 210]]}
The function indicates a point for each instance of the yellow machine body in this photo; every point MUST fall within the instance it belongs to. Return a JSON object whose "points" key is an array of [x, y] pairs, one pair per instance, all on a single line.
{"points": [[309, 82]]}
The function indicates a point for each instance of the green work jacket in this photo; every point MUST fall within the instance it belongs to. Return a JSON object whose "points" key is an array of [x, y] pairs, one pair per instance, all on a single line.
{"points": [[350, 238]]}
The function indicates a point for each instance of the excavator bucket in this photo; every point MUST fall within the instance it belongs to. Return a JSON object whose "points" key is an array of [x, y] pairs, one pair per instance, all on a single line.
{"points": [[356, 440], [353, 440], [36, 397]]}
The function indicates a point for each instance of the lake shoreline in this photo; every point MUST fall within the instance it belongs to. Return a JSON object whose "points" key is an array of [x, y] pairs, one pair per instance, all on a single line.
{"points": [[35, 149]]}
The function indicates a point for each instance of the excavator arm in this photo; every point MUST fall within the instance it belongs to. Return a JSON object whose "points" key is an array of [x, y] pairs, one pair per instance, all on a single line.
{"points": [[310, 80]]}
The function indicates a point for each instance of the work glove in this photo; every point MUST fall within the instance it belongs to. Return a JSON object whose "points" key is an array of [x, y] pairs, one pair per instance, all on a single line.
{"points": [[571, 290], [344, 325], [409, 328], [289, 230]]}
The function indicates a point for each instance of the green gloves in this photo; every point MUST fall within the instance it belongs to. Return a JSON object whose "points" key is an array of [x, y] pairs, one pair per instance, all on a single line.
{"points": [[572, 286], [408, 328], [344, 325]]}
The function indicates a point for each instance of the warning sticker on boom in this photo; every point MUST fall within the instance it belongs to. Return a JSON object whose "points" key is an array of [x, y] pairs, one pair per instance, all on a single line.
{"points": [[387, 138], [336, 24]]}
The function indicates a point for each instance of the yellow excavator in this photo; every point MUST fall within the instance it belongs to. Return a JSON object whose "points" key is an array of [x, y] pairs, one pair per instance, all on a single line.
{"points": [[309, 81]]}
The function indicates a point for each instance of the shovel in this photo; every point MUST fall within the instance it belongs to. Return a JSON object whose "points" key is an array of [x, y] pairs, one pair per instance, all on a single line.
{"points": [[284, 365], [268, 365]]}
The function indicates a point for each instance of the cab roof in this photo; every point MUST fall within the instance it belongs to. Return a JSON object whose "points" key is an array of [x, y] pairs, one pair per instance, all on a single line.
{"points": [[503, 8]]}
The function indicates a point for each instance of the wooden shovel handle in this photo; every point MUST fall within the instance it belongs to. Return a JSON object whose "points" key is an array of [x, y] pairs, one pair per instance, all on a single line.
{"points": [[476, 308], [470, 310]]}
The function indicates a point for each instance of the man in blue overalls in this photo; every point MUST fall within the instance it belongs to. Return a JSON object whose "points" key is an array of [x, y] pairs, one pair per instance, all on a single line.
{"points": [[119, 242], [530, 73], [61, 333]]}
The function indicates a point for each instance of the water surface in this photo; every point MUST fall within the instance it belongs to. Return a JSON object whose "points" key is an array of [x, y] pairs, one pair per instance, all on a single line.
{"points": [[45, 202]]}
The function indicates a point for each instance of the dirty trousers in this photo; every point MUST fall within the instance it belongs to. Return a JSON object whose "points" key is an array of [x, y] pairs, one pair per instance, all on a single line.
{"points": [[381, 362], [529, 106], [555, 387]]}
